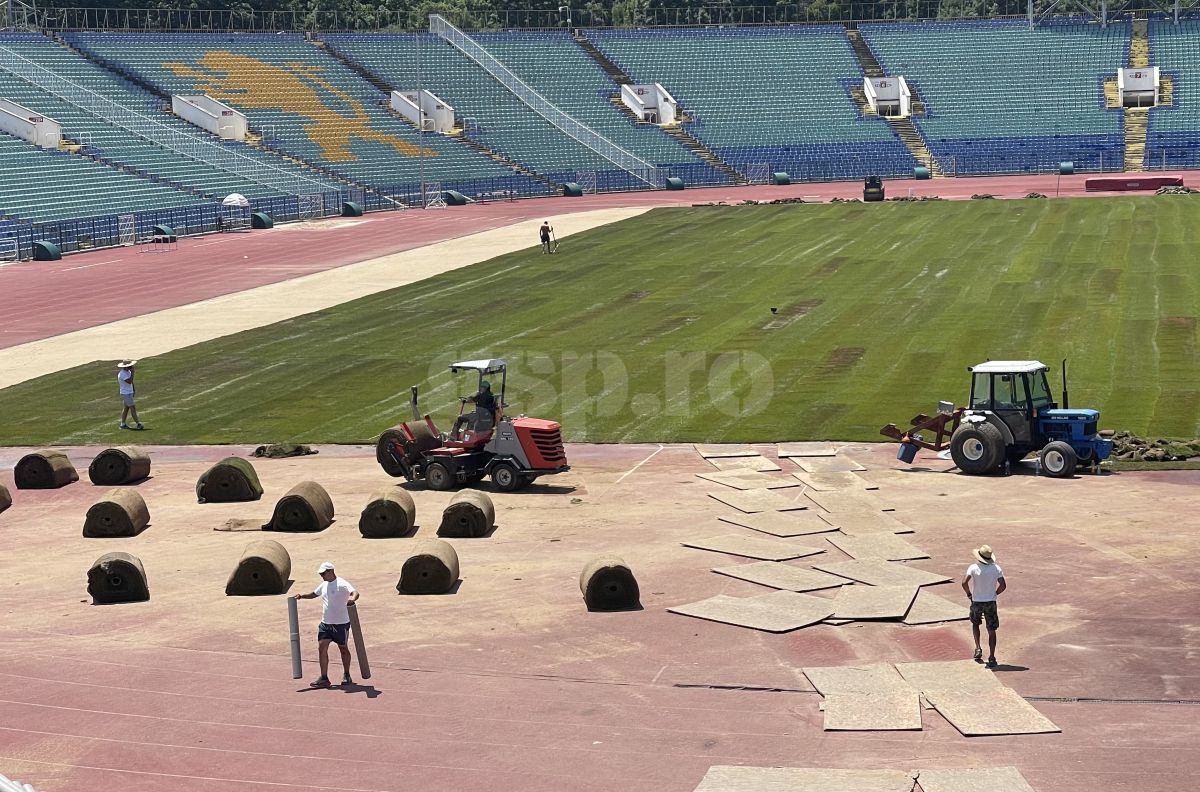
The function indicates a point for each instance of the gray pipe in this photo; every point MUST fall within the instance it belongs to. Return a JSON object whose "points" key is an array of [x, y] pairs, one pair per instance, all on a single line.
{"points": [[294, 627]]}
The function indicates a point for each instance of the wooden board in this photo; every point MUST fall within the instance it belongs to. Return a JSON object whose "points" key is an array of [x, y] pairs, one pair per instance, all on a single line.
{"points": [[974, 779], [782, 576], [760, 547], [827, 464], [728, 778], [882, 573], [832, 482], [881, 546], [757, 500], [930, 608], [789, 523], [756, 463], [873, 602], [748, 480], [865, 522], [806, 450], [892, 710], [845, 500], [868, 678], [942, 674], [778, 611], [714, 451], [1000, 710]]}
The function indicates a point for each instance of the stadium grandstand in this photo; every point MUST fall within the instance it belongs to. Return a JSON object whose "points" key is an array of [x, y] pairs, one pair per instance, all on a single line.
{"points": [[146, 129]]}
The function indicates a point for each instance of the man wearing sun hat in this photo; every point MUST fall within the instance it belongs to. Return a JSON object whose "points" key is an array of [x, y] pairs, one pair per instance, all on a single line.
{"points": [[336, 595], [984, 582], [125, 384]]}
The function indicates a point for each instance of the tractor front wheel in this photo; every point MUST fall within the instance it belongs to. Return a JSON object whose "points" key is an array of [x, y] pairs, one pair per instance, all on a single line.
{"points": [[1059, 459], [505, 477], [977, 448], [438, 476]]}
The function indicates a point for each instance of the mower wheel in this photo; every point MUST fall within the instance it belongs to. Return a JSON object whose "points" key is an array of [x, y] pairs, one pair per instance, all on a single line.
{"points": [[388, 450], [505, 477], [438, 476], [1059, 459], [977, 448]]}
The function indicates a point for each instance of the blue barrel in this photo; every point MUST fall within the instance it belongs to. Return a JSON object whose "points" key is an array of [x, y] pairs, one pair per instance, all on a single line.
{"points": [[906, 453]]}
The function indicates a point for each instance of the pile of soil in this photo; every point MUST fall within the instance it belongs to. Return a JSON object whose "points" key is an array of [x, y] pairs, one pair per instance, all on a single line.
{"points": [[1128, 446], [1177, 190], [844, 200], [978, 196], [916, 198], [1034, 195]]}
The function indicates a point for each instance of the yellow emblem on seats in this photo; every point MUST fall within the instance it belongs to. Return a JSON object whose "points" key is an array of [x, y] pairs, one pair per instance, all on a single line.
{"points": [[250, 83]]}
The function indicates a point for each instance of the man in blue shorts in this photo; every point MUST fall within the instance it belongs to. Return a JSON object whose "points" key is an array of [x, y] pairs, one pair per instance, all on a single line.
{"points": [[336, 595], [984, 582]]}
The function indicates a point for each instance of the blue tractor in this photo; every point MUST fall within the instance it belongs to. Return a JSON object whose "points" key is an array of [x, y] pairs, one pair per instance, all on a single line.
{"points": [[1011, 414]]}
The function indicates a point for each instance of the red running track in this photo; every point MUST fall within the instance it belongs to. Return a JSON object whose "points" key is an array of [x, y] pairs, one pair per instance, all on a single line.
{"points": [[43, 299]]}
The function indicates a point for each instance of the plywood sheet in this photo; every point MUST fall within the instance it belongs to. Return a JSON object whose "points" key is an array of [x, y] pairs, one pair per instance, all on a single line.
{"points": [[845, 500], [865, 522], [756, 463], [999, 710], [869, 678], [782, 576], [881, 546], [806, 450], [748, 480], [713, 451], [778, 611], [728, 778], [930, 608], [760, 547], [832, 482], [975, 779], [882, 573], [873, 602], [942, 674], [758, 500], [789, 523], [892, 710], [827, 464]]}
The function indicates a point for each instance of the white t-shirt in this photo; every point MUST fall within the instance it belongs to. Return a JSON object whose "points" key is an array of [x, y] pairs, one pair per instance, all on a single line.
{"points": [[983, 581], [125, 379], [334, 596]]}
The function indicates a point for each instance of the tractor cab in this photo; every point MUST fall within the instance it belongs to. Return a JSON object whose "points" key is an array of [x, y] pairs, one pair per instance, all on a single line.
{"points": [[483, 442], [873, 188]]}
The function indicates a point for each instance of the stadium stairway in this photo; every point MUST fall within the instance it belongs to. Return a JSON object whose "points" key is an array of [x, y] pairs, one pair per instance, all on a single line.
{"points": [[618, 75], [905, 129]]}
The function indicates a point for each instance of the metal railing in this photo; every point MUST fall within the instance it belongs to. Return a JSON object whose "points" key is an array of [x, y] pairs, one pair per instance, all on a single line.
{"points": [[191, 146], [610, 151]]}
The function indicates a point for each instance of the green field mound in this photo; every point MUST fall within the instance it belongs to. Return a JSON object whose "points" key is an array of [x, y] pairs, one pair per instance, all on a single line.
{"points": [[660, 328]]}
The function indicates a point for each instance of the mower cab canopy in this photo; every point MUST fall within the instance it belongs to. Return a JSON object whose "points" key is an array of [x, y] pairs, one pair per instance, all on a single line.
{"points": [[484, 367]]}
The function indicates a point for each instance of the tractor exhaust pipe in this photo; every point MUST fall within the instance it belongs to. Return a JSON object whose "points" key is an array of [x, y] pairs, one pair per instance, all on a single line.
{"points": [[1066, 403]]}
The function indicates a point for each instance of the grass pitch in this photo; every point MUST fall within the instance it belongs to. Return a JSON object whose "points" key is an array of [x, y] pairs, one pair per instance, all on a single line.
{"points": [[661, 329]]}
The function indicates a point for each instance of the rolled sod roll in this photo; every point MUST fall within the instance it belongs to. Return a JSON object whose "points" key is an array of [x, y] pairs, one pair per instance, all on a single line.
{"points": [[122, 465], [390, 513], [607, 584], [117, 577], [264, 568], [232, 480], [44, 470], [470, 513], [5, 498], [305, 508], [431, 569], [122, 512]]}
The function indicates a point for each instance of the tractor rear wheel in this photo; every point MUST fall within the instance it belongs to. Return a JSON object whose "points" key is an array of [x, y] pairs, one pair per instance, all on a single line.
{"points": [[1059, 459], [388, 451], [438, 476], [505, 477], [977, 448]]}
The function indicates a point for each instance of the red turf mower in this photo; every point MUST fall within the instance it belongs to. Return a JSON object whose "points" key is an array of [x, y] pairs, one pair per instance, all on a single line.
{"points": [[513, 451]]}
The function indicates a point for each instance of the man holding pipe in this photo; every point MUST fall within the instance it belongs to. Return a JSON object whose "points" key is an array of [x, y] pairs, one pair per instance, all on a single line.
{"points": [[336, 595]]}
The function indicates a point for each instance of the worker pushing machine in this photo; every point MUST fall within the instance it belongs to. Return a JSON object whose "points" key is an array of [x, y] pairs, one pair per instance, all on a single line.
{"points": [[549, 242]]}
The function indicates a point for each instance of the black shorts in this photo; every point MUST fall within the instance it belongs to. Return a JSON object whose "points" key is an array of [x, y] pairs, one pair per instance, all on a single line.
{"points": [[985, 612], [338, 633]]}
